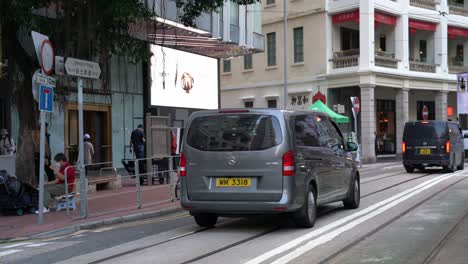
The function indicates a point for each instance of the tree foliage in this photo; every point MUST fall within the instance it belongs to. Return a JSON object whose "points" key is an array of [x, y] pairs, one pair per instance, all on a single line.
{"points": [[85, 29]]}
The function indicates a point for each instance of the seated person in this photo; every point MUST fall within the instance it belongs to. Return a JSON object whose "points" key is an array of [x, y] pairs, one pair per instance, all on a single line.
{"points": [[57, 187]]}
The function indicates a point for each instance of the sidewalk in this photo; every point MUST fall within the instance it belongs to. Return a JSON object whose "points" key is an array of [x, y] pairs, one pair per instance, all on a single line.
{"points": [[105, 207]]}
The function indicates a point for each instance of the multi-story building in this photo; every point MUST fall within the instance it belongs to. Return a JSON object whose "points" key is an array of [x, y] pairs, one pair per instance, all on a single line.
{"points": [[398, 56]]}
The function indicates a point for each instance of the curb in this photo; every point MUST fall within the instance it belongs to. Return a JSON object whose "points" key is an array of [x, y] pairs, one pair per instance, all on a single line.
{"points": [[97, 224]]}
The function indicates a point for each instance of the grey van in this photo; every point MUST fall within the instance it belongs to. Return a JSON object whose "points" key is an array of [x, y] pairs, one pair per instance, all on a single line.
{"points": [[243, 162], [433, 144]]}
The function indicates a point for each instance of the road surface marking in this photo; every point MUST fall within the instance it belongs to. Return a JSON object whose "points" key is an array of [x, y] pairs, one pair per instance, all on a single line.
{"points": [[17, 245], [330, 236], [9, 252], [317, 232], [37, 245]]}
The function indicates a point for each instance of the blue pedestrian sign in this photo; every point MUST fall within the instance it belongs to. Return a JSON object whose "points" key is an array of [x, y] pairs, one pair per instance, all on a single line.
{"points": [[46, 98]]}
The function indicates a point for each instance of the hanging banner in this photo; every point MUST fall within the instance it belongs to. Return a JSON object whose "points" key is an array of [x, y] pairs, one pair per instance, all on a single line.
{"points": [[454, 31], [385, 19], [354, 16], [462, 103], [416, 24], [345, 17]]}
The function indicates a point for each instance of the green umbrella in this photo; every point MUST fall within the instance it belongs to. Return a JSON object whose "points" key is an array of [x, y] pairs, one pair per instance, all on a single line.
{"points": [[321, 107]]}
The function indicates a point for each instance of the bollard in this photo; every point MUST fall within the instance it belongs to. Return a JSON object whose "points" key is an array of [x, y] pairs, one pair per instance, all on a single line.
{"points": [[137, 178]]}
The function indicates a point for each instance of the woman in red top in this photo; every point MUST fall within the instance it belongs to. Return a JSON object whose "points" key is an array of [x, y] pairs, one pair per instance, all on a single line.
{"points": [[57, 187]]}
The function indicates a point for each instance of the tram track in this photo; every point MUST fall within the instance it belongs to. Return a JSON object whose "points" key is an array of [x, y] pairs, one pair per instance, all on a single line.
{"points": [[354, 243], [250, 238]]}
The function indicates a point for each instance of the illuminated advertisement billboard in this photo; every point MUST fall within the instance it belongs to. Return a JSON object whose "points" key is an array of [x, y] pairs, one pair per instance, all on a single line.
{"points": [[183, 80]]}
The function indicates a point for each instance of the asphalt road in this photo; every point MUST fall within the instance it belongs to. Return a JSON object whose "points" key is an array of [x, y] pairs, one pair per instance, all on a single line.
{"points": [[403, 218]]}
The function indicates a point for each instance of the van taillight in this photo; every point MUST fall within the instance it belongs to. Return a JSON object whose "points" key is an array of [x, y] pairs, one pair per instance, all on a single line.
{"points": [[289, 164], [403, 147], [447, 146], [183, 165]]}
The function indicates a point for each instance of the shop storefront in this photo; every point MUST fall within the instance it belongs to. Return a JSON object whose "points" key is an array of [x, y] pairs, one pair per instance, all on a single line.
{"points": [[386, 127]]}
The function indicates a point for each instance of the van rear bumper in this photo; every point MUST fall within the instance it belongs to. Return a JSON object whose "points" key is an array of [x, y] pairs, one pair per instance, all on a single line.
{"points": [[286, 204], [431, 162]]}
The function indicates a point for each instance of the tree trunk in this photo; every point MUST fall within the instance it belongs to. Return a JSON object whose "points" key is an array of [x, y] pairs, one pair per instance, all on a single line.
{"points": [[22, 67]]}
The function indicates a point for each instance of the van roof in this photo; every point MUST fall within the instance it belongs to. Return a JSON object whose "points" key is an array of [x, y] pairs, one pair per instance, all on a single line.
{"points": [[259, 110]]}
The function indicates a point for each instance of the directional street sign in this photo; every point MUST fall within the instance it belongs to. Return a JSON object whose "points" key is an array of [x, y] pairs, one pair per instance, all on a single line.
{"points": [[82, 68], [46, 98]]}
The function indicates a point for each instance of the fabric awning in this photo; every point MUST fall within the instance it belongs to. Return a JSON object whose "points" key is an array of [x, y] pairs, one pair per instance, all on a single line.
{"points": [[354, 16], [321, 107], [416, 24], [456, 31]]}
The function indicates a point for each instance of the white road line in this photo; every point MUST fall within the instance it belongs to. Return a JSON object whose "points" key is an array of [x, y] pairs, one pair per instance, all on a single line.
{"points": [[330, 236], [9, 252], [393, 167], [314, 233], [17, 245], [37, 245]]}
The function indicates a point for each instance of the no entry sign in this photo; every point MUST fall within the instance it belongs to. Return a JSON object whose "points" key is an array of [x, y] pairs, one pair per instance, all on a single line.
{"points": [[425, 113], [356, 105]]}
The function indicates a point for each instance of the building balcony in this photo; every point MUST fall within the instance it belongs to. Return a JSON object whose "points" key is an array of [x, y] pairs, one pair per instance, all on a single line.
{"points": [[457, 8], [385, 59], [422, 66], [428, 4], [345, 59], [457, 65]]}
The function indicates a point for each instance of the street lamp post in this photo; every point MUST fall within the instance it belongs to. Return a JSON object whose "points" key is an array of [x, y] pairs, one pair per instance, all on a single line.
{"points": [[285, 64]]}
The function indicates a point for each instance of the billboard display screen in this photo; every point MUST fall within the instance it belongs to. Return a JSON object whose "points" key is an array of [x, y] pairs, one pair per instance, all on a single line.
{"points": [[183, 80]]}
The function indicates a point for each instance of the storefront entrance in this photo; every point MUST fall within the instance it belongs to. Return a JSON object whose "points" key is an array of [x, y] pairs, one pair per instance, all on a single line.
{"points": [[97, 123], [385, 127]]}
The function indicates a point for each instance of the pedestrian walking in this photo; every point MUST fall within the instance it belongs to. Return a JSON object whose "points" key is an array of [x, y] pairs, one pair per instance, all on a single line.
{"points": [[88, 152], [137, 142], [7, 145]]}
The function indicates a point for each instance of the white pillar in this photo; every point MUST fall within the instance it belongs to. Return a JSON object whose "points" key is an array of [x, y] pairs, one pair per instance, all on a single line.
{"points": [[368, 126], [402, 115], [441, 105], [402, 33], [242, 25], [441, 46], [366, 34]]}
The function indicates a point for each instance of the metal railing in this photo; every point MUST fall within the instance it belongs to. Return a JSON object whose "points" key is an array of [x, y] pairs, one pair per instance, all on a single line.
{"points": [[455, 69], [97, 203], [457, 8], [345, 62], [428, 4], [384, 59], [422, 67]]}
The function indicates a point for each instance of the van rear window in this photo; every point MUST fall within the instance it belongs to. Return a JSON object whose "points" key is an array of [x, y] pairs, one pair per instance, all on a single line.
{"points": [[236, 132], [425, 130]]}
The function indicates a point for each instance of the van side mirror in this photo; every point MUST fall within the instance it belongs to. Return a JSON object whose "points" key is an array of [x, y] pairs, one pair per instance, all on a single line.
{"points": [[351, 146], [465, 135]]}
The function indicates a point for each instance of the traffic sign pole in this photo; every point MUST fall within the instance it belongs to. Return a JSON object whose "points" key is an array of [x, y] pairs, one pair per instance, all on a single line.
{"points": [[83, 192], [90, 70], [41, 168]]}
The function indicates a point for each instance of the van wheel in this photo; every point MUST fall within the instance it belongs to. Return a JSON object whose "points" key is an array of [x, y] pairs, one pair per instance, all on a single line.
{"points": [[306, 216], [453, 165], [206, 220], [462, 163], [409, 169], [354, 197]]}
